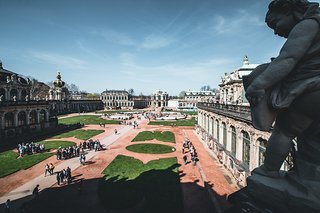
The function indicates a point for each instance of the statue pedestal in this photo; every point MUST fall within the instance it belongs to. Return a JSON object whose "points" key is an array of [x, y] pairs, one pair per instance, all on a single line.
{"points": [[285, 194]]}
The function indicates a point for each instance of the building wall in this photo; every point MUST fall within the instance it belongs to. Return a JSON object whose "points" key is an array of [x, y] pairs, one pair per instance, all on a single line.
{"points": [[228, 133], [116, 98]]}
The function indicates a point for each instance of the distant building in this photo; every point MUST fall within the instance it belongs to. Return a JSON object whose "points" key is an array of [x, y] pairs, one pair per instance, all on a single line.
{"points": [[159, 99], [116, 99], [231, 88]]}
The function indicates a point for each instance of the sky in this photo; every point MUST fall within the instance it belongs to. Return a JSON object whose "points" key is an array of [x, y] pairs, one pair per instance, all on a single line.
{"points": [[147, 45]]}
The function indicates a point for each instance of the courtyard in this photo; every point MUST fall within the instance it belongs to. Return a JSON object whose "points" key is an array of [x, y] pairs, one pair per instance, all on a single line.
{"points": [[138, 168]]}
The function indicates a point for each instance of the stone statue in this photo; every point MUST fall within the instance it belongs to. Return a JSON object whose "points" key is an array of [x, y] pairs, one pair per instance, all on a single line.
{"points": [[1, 98], [287, 91], [14, 98], [27, 97]]}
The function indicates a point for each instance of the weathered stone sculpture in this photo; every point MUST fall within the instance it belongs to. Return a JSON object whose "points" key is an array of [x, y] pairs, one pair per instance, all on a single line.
{"points": [[287, 91]]}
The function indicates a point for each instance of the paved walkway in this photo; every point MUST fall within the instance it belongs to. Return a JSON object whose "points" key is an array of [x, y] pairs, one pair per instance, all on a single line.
{"points": [[73, 163]]}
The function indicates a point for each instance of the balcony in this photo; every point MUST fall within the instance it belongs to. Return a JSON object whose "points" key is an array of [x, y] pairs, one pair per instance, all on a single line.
{"points": [[237, 112]]}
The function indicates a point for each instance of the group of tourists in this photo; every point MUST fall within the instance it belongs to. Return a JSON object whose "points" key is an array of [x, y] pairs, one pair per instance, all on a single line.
{"points": [[64, 176], [187, 144], [30, 148], [74, 151]]}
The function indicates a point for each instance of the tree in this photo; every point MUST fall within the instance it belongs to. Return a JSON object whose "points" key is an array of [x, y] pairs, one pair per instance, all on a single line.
{"points": [[38, 89], [74, 88], [182, 94], [93, 96], [131, 92], [205, 88]]}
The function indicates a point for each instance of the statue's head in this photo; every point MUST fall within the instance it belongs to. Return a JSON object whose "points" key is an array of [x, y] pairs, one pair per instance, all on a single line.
{"points": [[283, 15]]}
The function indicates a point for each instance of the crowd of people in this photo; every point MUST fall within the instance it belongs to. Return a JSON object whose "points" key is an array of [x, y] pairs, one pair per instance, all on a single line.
{"points": [[74, 151], [187, 144], [64, 176], [30, 148]]}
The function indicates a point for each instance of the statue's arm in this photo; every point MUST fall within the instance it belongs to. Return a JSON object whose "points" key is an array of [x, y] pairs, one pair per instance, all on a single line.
{"points": [[297, 44]]}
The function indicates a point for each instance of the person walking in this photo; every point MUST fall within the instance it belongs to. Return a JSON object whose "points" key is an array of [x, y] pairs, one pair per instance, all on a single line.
{"points": [[35, 192], [51, 168], [7, 206], [46, 170]]}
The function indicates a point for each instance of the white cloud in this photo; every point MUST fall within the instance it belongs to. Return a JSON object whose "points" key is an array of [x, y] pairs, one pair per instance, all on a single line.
{"points": [[61, 61], [240, 22], [114, 36], [154, 41]]}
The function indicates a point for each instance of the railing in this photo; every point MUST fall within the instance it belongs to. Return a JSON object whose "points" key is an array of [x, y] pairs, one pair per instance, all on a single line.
{"points": [[237, 112], [22, 103]]}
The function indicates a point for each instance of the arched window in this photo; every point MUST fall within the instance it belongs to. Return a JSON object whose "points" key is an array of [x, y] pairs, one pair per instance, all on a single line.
{"points": [[22, 118], [13, 93], [32, 117], [233, 140], [262, 150], [218, 130], [8, 120], [224, 140], [246, 148], [42, 116], [23, 95]]}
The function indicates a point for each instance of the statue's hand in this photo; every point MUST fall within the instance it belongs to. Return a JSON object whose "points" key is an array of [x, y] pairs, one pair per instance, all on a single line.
{"points": [[254, 95]]}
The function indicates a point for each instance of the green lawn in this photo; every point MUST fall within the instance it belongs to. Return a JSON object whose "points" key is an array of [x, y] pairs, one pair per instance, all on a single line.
{"points": [[127, 180], [56, 144], [86, 119], [9, 163], [80, 134], [190, 122], [165, 136], [150, 148]]}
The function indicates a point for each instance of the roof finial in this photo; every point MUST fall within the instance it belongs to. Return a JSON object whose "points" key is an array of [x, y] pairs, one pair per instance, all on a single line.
{"points": [[246, 60]]}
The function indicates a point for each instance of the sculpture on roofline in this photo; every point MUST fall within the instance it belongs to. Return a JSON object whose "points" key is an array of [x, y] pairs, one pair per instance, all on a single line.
{"points": [[287, 91]]}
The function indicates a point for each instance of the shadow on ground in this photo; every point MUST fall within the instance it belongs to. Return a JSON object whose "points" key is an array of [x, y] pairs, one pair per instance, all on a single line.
{"points": [[153, 191]]}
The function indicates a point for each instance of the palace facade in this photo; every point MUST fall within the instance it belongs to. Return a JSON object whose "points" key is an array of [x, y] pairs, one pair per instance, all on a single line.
{"points": [[159, 99], [227, 132], [18, 114]]}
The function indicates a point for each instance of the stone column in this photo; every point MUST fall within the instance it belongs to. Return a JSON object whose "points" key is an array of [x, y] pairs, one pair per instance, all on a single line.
{"points": [[47, 116], [2, 121], [27, 117], [239, 145], [15, 118], [37, 116]]}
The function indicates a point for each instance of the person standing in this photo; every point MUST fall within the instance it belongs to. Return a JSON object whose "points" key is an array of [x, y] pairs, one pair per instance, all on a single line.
{"points": [[58, 178]]}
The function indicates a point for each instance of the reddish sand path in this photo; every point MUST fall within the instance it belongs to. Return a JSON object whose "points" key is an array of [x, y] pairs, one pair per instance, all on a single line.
{"points": [[193, 178]]}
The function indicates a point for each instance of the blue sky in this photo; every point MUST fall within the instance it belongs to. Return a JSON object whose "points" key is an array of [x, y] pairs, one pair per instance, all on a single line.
{"points": [[172, 45]]}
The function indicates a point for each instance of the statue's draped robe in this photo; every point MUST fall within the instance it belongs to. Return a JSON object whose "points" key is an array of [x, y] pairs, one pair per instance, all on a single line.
{"points": [[305, 77]]}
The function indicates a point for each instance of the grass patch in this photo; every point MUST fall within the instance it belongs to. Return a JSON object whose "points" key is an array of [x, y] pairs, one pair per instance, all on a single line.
{"points": [[189, 122], [165, 136], [150, 148], [86, 119], [127, 180], [80, 134], [9, 163], [56, 144]]}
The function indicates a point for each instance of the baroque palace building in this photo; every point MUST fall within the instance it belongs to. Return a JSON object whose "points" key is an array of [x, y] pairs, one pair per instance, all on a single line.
{"points": [[18, 114], [226, 129], [22, 115]]}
